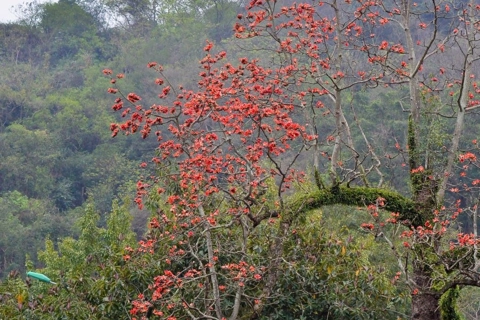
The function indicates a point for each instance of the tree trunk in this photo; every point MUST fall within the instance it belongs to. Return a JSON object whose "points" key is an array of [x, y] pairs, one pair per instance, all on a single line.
{"points": [[425, 307], [425, 304]]}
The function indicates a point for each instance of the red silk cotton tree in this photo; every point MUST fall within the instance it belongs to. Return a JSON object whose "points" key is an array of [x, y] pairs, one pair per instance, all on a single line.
{"points": [[225, 159], [227, 151]]}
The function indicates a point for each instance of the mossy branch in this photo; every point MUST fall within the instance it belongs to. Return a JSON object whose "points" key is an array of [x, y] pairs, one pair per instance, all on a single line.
{"points": [[412, 145], [448, 305], [356, 196], [318, 180]]}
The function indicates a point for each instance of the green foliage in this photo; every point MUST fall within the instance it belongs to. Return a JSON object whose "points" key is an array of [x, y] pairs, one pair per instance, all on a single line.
{"points": [[329, 273], [24, 224], [29, 157], [68, 29], [13, 297], [92, 278], [11, 242]]}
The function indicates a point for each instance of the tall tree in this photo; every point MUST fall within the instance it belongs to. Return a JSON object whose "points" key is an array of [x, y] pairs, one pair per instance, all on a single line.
{"points": [[68, 28], [232, 145]]}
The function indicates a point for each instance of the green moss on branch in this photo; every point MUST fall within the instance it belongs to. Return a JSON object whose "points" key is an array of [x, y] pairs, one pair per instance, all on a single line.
{"points": [[357, 196]]}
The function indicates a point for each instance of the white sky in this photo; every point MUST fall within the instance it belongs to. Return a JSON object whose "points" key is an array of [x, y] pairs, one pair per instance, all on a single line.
{"points": [[7, 12]]}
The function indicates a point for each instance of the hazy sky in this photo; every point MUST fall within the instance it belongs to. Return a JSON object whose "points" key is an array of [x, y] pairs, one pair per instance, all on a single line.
{"points": [[6, 10]]}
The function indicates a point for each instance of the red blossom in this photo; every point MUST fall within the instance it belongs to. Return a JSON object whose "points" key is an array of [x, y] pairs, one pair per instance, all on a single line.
{"points": [[132, 97], [467, 156], [419, 169], [368, 226]]}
